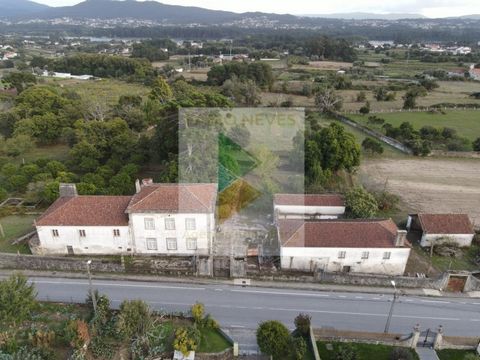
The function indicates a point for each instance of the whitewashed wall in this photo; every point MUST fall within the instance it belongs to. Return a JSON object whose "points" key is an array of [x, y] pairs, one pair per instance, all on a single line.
{"points": [[299, 211], [309, 259], [463, 240], [205, 230], [97, 240]]}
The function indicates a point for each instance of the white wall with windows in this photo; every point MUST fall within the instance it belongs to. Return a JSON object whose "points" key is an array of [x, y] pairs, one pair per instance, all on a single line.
{"points": [[172, 233], [390, 261], [84, 240]]}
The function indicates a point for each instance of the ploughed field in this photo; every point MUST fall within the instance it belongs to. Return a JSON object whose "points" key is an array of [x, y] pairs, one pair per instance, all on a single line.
{"points": [[438, 185]]}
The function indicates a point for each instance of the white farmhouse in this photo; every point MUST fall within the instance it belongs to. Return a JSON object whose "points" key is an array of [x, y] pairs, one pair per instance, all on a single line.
{"points": [[312, 206], [169, 219], [437, 228], [361, 246]]}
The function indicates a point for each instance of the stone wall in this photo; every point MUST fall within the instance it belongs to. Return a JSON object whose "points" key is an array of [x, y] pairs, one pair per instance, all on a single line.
{"points": [[35, 262], [224, 355], [330, 334]]}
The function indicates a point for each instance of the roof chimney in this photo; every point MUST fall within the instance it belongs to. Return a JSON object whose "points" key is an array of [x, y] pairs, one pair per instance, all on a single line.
{"points": [[67, 190], [137, 186], [401, 237]]}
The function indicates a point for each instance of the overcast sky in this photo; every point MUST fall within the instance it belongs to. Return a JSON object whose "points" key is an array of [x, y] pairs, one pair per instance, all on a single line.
{"points": [[430, 8]]}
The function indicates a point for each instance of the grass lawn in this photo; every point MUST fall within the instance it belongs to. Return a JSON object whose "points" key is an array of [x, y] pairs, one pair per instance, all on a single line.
{"points": [[451, 354], [445, 263], [13, 227], [466, 122], [212, 341], [363, 351]]}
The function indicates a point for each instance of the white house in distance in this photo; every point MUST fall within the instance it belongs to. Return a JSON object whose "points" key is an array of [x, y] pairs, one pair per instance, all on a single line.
{"points": [[361, 246], [314, 206], [441, 228], [168, 219]]}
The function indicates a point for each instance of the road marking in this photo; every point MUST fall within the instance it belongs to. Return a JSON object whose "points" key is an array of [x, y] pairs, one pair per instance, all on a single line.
{"points": [[436, 301], [342, 296], [218, 289], [474, 319], [358, 297], [97, 283], [377, 299], [237, 326], [279, 293]]}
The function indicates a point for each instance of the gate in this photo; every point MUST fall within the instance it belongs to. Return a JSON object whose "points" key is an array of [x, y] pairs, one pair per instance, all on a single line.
{"points": [[427, 338], [456, 283]]}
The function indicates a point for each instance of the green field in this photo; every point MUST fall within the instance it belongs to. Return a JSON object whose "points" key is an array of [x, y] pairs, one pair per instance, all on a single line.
{"points": [[15, 226], [363, 351], [450, 354], [466, 122]]}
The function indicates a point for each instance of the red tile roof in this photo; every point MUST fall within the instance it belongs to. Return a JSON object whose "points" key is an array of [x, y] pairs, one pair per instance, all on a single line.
{"points": [[309, 199], [446, 223], [86, 211], [338, 233], [174, 198]]}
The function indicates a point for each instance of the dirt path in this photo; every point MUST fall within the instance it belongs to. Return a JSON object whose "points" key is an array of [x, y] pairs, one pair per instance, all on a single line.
{"points": [[438, 185]]}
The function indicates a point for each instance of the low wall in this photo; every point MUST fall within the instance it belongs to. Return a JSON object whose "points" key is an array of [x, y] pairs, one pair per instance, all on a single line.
{"points": [[224, 355], [329, 334], [35, 262], [383, 280], [457, 342]]}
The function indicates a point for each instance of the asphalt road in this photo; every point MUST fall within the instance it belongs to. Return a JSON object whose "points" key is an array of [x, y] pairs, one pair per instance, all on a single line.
{"points": [[241, 308]]}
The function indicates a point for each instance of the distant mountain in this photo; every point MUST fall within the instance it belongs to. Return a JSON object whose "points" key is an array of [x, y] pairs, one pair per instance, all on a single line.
{"points": [[149, 10], [365, 15], [470, 17], [9, 8]]}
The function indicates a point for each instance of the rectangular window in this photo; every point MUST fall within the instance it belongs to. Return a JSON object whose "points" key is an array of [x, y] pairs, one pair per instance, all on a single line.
{"points": [[152, 244], [169, 224], [149, 224], [116, 232], [191, 243], [171, 244], [82, 233], [387, 255], [190, 224], [55, 233], [365, 255], [342, 254]]}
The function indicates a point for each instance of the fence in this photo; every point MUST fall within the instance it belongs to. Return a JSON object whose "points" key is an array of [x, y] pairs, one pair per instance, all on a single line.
{"points": [[387, 140]]}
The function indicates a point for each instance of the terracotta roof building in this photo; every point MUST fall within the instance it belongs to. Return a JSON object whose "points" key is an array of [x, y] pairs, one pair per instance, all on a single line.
{"points": [[174, 219], [364, 246], [442, 227], [86, 211]]}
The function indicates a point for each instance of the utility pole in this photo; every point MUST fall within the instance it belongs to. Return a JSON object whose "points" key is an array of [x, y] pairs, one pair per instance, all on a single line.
{"points": [[92, 293], [389, 319]]}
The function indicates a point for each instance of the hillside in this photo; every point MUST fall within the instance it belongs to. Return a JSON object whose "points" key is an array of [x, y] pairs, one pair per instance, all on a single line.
{"points": [[10, 8]]}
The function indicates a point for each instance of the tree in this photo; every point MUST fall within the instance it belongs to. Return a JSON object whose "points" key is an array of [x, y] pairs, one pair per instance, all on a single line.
{"points": [[273, 339], [410, 97], [17, 299], [20, 80], [365, 109], [302, 323], [360, 203], [372, 146], [134, 318], [161, 91], [328, 101]]}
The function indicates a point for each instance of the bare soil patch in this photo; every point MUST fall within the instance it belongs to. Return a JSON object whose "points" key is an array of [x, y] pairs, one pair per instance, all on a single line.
{"points": [[436, 185]]}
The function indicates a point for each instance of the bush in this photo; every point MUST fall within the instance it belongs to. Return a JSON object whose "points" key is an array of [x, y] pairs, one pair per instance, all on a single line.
{"points": [[186, 339], [198, 311], [346, 352], [401, 354], [372, 146], [302, 323], [273, 339], [17, 299], [134, 318], [360, 203]]}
